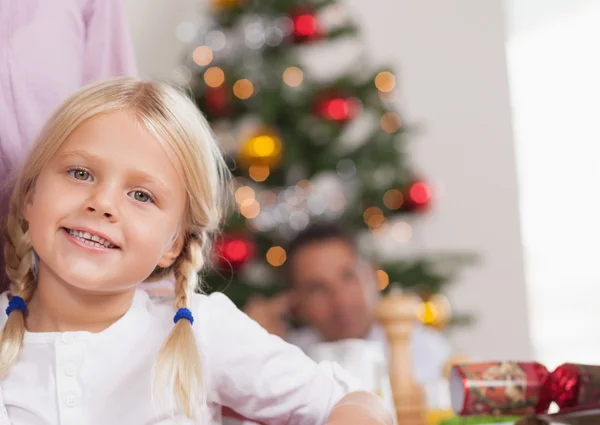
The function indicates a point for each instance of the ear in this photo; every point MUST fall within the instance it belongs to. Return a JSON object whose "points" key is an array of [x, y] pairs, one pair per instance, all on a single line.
{"points": [[27, 205], [171, 254]]}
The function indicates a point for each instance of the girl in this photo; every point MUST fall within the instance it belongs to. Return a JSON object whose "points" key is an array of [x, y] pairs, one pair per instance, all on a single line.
{"points": [[126, 183], [49, 49]]}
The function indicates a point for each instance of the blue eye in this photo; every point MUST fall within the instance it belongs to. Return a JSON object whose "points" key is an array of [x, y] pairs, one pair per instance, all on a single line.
{"points": [[80, 174], [140, 196]]}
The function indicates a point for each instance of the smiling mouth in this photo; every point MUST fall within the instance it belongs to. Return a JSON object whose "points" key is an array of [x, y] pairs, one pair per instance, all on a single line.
{"points": [[90, 239]]}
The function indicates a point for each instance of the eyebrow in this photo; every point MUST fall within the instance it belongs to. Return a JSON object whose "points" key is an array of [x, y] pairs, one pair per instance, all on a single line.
{"points": [[137, 175], [79, 154]]}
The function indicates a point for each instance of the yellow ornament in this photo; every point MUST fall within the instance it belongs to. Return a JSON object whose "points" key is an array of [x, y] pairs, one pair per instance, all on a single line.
{"points": [[225, 4], [262, 148], [435, 311]]}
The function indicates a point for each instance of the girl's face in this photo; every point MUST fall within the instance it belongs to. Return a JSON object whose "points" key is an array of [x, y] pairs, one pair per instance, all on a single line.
{"points": [[107, 208]]}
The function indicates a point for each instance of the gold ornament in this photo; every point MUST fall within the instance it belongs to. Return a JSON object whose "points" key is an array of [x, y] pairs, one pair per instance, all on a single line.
{"points": [[262, 148], [435, 311]]}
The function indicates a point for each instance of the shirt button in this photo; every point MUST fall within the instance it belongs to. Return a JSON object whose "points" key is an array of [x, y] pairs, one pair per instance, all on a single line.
{"points": [[3, 412], [70, 370], [66, 338], [71, 400]]}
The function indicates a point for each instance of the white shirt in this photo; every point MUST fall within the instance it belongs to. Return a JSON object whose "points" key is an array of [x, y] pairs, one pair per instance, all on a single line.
{"points": [[83, 378], [430, 350]]}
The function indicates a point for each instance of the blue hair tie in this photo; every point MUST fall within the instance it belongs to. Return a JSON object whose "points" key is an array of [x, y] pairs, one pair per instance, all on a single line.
{"points": [[16, 303], [184, 313]]}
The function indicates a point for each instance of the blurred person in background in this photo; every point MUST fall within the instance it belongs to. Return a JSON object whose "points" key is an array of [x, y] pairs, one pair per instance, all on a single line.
{"points": [[333, 293], [48, 50]]}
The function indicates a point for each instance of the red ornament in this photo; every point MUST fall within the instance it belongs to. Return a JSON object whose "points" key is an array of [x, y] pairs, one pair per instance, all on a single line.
{"points": [[339, 108], [417, 197], [305, 26], [217, 100], [233, 251]]}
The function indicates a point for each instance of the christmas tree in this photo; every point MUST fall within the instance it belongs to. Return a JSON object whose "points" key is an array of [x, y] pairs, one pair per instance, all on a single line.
{"points": [[302, 149]]}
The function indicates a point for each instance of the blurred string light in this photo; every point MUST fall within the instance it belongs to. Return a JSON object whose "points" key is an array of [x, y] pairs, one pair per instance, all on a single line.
{"points": [[214, 77], [337, 203], [235, 251], [293, 76], [305, 26], [245, 197], [298, 220], [306, 185], [383, 279], [250, 208], [390, 122], [215, 40], [203, 55], [243, 89], [402, 232], [373, 216], [243, 194], [338, 108], [276, 256], [274, 36], [385, 81], [419, 193], [259, 173], [268, 198], [264, 149], [294, 206], [254, 34], [393, 199]]}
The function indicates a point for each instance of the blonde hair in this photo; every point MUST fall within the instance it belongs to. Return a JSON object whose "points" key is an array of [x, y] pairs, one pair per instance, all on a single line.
{"points": [[178, 124]]}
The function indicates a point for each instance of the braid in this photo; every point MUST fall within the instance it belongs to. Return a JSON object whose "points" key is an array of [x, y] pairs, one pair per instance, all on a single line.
{"points": [[190, 262], [19, 257], [178, 366], [18, 254]]}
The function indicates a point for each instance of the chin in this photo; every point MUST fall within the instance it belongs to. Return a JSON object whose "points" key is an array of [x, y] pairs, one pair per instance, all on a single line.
{"points": [[353, 332], [87, 280], [87, 285]]}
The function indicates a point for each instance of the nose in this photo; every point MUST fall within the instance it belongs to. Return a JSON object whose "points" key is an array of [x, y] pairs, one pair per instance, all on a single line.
{"points": [[102, 201]]}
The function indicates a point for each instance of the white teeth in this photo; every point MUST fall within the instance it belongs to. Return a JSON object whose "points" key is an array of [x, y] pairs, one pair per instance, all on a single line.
{"points": [[89, 239]]}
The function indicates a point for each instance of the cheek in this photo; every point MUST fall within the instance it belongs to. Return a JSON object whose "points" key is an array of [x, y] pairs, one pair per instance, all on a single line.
{"points": [[152, 232], [51, 196], [320, 309]]}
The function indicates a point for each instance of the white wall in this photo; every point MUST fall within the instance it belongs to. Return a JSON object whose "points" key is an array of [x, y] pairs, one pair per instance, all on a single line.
{"points": [[450, 58], [556, 97]]}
